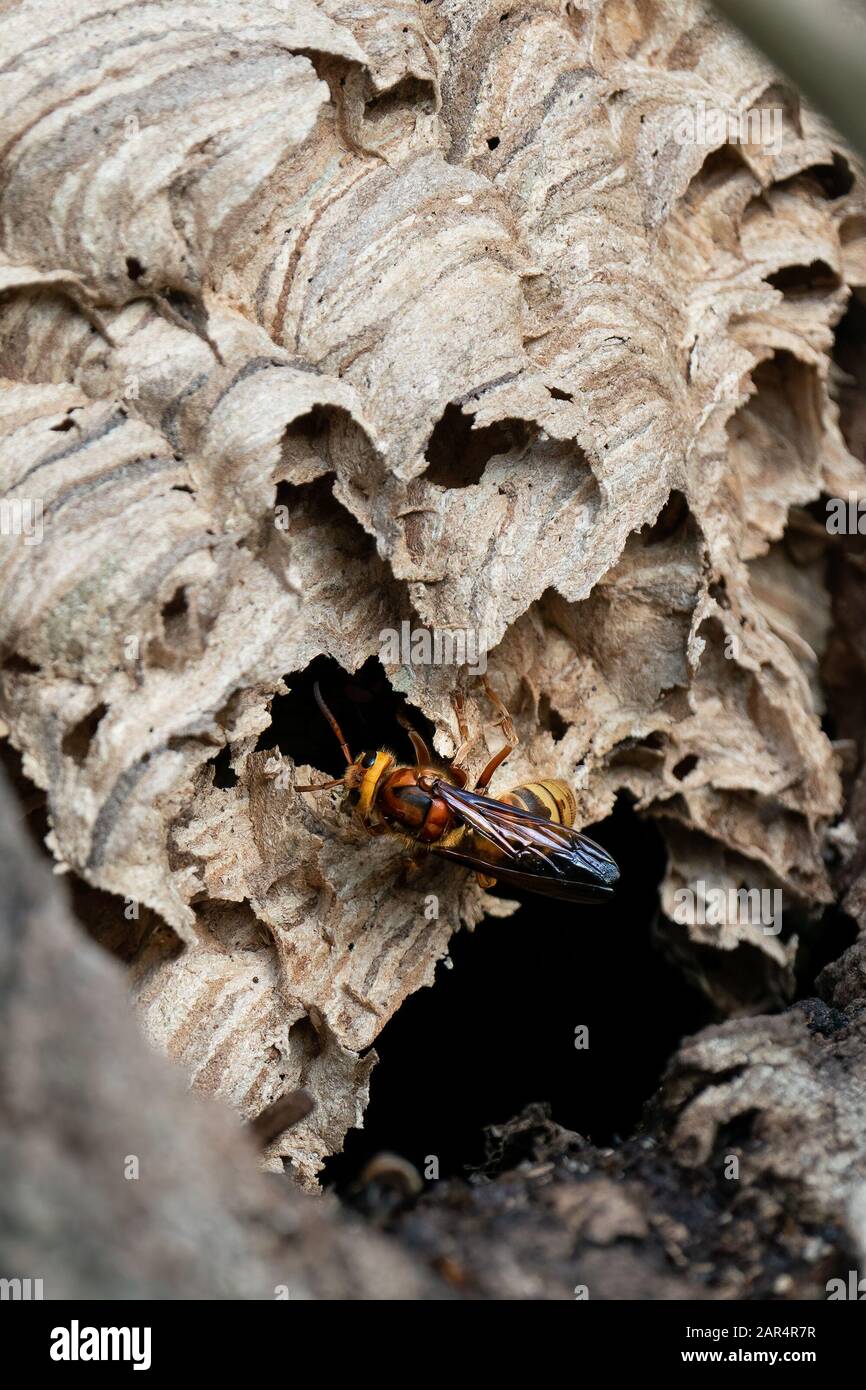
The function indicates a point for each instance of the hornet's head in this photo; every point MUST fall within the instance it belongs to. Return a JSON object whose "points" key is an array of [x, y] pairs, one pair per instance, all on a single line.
{"points": [[363, 777], [363, 774]]}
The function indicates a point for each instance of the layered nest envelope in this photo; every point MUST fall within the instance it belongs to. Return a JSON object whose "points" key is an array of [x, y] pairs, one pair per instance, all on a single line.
{"points": [[319, 318]]}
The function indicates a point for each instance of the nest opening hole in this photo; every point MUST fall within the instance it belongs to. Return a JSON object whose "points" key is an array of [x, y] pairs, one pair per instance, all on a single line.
{"points": [[363, 704], [457, 454], [498, 1031]]}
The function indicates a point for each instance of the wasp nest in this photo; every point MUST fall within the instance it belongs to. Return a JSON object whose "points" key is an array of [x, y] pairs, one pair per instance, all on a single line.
{"points": [[318, 318]]}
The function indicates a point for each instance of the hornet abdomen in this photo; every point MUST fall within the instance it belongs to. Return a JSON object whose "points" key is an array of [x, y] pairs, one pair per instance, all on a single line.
{"points": [[553, 801]]}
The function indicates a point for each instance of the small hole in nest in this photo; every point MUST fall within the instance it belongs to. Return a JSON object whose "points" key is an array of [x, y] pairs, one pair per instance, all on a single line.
{"points": [[673, 518], [224, 774], [20, 665], [304, 1032], [134, 268], [77, 741], [551, 720], [793, 280], [364, 705], [176, 605], [849, 353], [458, 454], [175, 616], [685, 766], [835, 180]]}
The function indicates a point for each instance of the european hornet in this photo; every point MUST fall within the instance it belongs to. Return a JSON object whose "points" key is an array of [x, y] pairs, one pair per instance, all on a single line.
{"points": [[526, 838]]}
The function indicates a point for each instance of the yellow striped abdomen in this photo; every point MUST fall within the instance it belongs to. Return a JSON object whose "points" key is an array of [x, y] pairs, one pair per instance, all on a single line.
{"points": [[553, 801]]}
